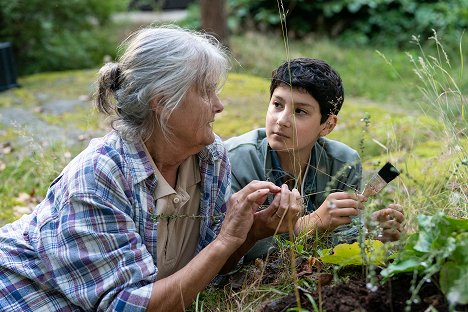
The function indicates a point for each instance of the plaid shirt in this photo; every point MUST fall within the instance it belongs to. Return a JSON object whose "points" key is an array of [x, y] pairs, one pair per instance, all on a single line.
{"points": [[91, 244]]}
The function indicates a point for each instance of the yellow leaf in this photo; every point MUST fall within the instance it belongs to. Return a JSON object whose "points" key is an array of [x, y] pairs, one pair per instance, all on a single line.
{"points": [[350, 254]]}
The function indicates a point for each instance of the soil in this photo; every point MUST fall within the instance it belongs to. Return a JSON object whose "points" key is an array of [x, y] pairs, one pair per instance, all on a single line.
{"points": [[352, 294]]}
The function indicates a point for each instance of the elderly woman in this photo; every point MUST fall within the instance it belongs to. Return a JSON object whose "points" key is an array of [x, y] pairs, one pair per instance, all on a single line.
{"points": [[142, 219]]}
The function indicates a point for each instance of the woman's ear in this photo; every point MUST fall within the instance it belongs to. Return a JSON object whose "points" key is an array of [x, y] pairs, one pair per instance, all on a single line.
{"points": [[329, 125], [154, 105]]}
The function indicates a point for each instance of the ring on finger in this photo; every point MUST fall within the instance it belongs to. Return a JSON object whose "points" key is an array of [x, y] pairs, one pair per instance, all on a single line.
{"points": [[331, 205]]}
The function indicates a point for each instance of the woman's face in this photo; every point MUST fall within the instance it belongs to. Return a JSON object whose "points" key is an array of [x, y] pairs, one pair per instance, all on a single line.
{"points": [[293, 121], [192, 122]]}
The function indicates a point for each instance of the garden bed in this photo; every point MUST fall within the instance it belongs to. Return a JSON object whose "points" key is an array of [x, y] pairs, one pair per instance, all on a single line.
{"points": [[352, 294]]}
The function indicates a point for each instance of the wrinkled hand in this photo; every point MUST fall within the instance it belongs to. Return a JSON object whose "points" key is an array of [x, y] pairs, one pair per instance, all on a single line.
{"points": [[390, 220], [336, 210], [284, 211], [241, 208]]}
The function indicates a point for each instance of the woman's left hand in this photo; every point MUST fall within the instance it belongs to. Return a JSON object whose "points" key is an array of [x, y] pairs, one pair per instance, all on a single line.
{"points": [[283, 212], [390, 220]]}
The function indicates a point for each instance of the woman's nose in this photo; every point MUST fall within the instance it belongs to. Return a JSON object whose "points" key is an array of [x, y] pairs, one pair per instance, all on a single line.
{"points": [[217, 105]]}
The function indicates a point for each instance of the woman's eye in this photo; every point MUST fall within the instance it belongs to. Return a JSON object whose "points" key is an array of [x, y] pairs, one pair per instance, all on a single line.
{"points": [[300, 112], [211, 89], [276, 104]]}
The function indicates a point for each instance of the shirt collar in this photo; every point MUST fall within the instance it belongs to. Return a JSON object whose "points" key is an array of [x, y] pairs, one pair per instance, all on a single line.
{"points": [[140, 163]]}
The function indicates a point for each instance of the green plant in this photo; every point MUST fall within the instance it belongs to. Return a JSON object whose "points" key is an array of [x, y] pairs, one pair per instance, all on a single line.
{"points": [[440, 246], [356, 22], [352, 254], [57, 35]]}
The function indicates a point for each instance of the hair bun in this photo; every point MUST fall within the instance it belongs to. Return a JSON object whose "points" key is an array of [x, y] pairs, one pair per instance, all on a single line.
{"points": [[115, 72]]}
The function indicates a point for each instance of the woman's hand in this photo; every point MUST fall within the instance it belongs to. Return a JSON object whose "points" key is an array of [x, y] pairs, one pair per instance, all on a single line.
{"points": [[390, 220], [336, 210], [283, 212], [241, 208]]}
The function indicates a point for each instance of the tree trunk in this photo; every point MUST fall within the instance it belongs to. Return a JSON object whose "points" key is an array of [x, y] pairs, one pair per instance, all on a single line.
{"points": [[214, 19]]}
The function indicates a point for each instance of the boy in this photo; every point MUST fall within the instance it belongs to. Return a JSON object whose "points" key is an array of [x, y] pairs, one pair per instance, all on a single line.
{"points": [[305, 98]]}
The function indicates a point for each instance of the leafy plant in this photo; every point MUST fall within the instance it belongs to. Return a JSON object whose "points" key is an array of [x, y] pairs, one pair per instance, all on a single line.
{"points": [[59, 34], [440, 246], [351, 254], [356, 22]]}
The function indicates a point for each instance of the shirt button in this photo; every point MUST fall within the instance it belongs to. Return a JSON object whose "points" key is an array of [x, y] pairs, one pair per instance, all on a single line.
{"points": [[176, 200]]}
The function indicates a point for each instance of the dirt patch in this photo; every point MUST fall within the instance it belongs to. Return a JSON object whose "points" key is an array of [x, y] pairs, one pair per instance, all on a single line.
{"points": [[349, 292], [354, 295]]}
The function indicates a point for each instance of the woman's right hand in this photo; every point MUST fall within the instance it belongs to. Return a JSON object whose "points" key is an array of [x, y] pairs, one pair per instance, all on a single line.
{"points": [[336, 210], [241, 208]]}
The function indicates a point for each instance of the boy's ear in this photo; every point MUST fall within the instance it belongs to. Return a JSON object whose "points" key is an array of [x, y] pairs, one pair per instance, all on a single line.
{"points": [[329, 125]]}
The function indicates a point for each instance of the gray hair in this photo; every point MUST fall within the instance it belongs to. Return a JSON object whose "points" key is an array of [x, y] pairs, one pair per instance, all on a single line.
{"points": [[160, 64]]}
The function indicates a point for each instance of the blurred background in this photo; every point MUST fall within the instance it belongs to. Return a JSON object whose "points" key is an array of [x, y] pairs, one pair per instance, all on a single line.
{"points": [[63, 34]]}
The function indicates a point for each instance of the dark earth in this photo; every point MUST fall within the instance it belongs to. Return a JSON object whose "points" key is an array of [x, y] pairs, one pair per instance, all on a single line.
{"points": [[350, 293], [355, 296]]}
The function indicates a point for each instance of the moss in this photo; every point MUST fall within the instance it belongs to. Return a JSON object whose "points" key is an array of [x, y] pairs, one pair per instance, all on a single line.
{"points": [[39, 88], [246, 86], [7, 134], [82, 117], [245, 99]]}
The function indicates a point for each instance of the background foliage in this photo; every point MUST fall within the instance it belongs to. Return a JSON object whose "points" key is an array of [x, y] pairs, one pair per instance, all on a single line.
{"points": [[383, 22], [61, 34], [57, 34]]}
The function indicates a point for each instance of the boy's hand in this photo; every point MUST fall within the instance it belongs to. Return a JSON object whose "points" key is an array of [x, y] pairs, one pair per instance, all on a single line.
{"points": [[336, 210], [390, 220]]}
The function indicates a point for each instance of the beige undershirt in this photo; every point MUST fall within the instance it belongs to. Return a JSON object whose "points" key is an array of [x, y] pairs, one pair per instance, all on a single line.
{"points": [[177, 237]]}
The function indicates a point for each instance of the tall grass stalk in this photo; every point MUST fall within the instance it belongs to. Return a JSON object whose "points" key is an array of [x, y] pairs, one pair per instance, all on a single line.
{"points": [[284, 30], [441, 90]]}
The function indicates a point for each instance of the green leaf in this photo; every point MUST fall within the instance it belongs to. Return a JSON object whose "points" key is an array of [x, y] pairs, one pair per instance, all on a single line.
{"points": [[300, 248], [435, 231], [458, 224], [460, 254], [454, 282], [408, 265], [428, 233], [350, 254]]}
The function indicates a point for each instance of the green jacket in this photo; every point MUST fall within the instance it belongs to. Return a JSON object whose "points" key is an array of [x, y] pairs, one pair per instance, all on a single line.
{"points": [[338, 169]]}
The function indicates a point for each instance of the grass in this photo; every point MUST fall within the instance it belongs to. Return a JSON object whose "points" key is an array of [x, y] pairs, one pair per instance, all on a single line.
{"points": [[385, 76]]}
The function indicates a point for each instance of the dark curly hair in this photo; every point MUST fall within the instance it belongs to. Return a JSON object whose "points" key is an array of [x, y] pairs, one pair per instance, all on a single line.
{"points": [[317, 78]]}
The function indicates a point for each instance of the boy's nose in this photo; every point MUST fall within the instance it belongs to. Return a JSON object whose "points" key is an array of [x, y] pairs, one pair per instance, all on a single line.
{"points": [[284, 119]]}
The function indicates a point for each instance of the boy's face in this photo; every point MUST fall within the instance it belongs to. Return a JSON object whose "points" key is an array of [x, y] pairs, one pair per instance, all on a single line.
{"points": [[293, 121]]}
